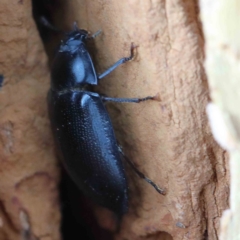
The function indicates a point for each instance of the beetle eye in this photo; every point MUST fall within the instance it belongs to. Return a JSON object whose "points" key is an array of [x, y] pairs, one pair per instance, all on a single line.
{"points": [[77, 36]]}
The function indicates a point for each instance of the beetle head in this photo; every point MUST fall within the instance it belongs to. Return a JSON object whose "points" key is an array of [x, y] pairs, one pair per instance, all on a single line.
{"points": [[72, 66], [78, 34], [74, 39]]}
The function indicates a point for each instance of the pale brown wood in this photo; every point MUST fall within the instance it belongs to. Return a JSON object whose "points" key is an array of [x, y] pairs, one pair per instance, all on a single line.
{"points": [[29, 207], [220, 24]]}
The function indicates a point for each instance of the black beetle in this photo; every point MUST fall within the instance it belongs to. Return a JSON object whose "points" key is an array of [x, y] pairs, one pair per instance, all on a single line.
{"points": [[82, 126]]}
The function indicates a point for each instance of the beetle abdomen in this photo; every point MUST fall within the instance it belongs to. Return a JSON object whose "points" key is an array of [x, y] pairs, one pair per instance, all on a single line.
{"points": [[86, 140]]}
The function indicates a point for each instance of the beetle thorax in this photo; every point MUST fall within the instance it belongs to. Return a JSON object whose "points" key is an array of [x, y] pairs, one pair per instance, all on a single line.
{"points": [[72, 66]]}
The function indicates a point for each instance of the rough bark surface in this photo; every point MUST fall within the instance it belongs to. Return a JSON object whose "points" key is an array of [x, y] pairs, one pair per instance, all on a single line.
{"points": [[220, 21], [29, 206], [169, 140]]}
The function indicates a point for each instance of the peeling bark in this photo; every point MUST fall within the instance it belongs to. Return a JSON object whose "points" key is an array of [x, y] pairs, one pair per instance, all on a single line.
{"points": [[29, 175]]}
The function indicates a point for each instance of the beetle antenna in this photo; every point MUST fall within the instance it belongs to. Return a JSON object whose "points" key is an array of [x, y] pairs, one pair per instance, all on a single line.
{"points": [[75, 26], [44, 21], [94, 35]]}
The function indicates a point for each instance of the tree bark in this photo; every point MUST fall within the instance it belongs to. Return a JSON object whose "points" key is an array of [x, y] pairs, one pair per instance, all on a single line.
{"points": [[168, 139], [29, 175]]}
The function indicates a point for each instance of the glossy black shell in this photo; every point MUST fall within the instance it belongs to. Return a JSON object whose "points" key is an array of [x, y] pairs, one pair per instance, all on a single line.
{"points": [[73, 66], [82, 128]]}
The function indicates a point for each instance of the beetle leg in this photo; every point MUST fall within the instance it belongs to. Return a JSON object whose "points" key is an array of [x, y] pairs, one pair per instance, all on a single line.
{"points": [[140, 174], [119, 62], [127, 100], [95, 34]]}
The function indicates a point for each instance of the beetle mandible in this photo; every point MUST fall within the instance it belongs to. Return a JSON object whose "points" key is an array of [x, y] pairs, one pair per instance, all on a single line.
{"points": [[82, 127]]}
